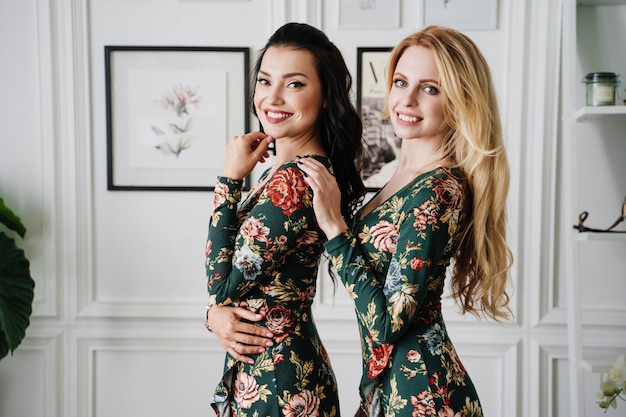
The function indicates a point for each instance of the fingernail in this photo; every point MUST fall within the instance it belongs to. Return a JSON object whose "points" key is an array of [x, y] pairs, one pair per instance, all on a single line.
{"points": [[261, 350], [258, 316], [270, 343], [251, 362], [269, 335], [269, 139]]}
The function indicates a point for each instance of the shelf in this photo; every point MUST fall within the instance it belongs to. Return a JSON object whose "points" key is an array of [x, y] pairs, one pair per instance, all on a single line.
{"points": [[599, 236], [602, 114], [600, 2]]}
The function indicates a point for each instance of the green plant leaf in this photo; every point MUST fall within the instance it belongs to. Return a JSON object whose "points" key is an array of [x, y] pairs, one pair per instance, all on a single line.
{"points": [[10, 219], [16, 295]]}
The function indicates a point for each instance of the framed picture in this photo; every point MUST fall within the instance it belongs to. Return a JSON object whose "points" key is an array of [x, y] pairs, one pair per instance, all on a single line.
{"points": [[366, 14], [170, 113], [462, 14], [382, 146]]}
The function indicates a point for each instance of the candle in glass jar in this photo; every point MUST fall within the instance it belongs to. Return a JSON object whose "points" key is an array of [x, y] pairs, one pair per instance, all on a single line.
{"points": [[601, 88]]}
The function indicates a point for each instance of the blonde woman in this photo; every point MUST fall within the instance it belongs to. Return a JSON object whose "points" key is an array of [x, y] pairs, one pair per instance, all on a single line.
{"points": [[444, 205]]}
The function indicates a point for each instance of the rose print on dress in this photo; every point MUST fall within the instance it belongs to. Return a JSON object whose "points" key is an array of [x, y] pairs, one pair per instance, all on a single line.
{"points": [[286, 190], [379, 359], [253, 229], [384, 236], [248, 262], [247, 390], [280, 321], [303, 404]]}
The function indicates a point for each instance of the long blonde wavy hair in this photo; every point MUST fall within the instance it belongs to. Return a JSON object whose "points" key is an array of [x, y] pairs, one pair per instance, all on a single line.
{"points": [[474, 141]]}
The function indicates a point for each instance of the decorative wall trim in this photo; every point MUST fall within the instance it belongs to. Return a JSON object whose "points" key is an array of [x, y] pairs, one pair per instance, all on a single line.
{"points": [[79, 157], [45, 267]]}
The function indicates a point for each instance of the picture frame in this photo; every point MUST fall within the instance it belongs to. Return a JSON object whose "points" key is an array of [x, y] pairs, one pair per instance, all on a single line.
{"points": [[462, 14], [170, 112], [382, 146], [368, 14]]}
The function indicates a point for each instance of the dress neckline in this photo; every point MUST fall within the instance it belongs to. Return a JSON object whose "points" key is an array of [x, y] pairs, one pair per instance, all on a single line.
{"points": [[265, 177], [362, 216]]}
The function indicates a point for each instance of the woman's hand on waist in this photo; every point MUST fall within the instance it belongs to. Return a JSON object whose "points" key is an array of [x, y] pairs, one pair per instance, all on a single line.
{"points": [[238, 337]]}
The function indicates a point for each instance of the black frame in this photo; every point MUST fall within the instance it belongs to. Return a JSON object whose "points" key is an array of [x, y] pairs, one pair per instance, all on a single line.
{"points": [[371, 96], [113, 142]]}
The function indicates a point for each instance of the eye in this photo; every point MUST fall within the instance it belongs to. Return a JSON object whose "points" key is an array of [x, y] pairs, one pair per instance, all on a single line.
{"points": [[399, 83], [262, 81], [431, 90], [295, 84]]}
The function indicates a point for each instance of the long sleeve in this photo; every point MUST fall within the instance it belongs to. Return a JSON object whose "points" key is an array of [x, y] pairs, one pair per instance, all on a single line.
{"points": [[392, 268], [245, 248]]}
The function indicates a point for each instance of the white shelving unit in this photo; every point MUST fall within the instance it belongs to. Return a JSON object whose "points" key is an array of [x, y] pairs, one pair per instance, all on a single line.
{"points": [[575, 114], [599, 236], [601, 114]]}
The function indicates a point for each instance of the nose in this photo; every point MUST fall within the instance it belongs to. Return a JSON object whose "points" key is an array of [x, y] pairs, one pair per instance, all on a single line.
{"points": [[410, 97], [274, 95]]}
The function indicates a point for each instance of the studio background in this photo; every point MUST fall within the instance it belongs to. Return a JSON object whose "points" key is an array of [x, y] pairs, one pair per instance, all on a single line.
{"points": [[117, 325]]}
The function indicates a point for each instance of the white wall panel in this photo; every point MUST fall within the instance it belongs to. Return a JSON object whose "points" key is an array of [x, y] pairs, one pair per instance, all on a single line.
{"points": [[31, 382], [146, 375], [152, 381]]}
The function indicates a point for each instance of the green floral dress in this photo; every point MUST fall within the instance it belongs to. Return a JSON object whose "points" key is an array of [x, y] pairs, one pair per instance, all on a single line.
{"points": [[266, 252], [393, 264]]}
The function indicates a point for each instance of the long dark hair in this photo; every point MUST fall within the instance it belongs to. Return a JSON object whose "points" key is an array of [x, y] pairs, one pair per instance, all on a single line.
{"points": [[339, 123]]}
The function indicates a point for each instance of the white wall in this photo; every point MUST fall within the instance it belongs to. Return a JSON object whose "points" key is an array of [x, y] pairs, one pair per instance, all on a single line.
{"points": [[117, 324]]}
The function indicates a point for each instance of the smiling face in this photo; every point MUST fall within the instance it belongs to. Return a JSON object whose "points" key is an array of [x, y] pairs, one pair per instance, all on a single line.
{"points": [[288, 93], [415, 100]]}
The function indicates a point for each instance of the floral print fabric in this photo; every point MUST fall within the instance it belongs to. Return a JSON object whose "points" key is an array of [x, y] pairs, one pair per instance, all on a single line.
{"points": [[393, 264], [266, 252]]}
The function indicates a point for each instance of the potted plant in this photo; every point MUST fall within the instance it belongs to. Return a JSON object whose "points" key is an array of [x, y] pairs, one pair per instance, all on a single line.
{"points": [[16, 285]]}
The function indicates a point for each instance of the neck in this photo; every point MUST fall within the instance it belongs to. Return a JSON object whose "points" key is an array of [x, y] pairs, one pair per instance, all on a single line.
{"points": [[288, 149], [420, 155]]}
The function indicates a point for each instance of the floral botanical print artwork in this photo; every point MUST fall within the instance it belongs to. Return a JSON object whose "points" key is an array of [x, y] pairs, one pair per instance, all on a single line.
{"points": [[176, 135], [266, 251], [393, 264]]}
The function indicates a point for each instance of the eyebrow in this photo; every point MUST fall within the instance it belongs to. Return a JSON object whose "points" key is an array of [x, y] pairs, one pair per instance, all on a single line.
{"points": [[422, 80], [289, 75]]}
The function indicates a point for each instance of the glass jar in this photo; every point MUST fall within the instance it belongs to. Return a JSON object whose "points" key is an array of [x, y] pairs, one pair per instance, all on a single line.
{"points": [[601, 87]]}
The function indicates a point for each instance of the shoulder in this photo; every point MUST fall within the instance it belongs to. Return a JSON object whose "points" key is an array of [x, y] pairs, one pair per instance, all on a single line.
{"points": [[290, 173], [443, 185]]}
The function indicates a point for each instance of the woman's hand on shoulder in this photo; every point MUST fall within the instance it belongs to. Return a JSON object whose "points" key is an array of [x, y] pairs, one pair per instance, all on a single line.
{"points": [[326, 196], [243, 153], [235, 335]]}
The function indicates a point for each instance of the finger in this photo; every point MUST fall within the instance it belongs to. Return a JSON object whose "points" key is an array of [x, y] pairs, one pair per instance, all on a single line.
{"points": [[261, 145], [257, 341], [238, 351], [251, 334], [312, 172], [312, 163]]}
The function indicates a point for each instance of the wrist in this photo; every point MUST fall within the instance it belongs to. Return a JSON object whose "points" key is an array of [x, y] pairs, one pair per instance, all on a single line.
{"points": [[206, 317], [335, 229]]}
